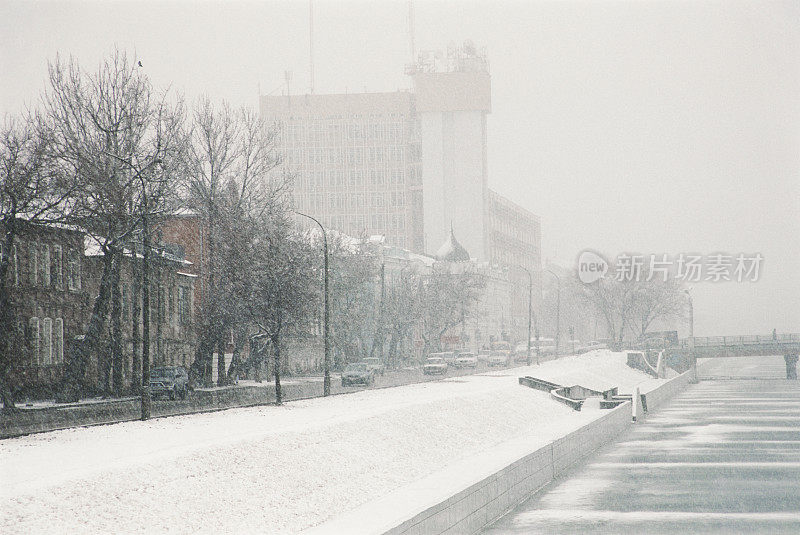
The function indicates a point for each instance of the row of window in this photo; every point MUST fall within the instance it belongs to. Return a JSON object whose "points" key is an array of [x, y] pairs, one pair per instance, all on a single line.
{"points": [[170, 305], [45, 266], [354, 203], [396, 155], [46, 340], [340, 178], [336, 131]]}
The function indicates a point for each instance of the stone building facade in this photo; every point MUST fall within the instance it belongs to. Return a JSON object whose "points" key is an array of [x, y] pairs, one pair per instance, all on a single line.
{"points": [[54, 275]]}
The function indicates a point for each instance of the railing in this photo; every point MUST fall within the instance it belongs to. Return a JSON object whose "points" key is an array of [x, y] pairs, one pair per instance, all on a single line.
{"points": [[747, 340]]}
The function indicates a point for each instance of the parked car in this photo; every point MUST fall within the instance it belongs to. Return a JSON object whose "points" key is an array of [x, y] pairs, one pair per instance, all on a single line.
{"points": [[466, 360], [375, 364], [357, 373], [522, 356], [499, 358], [448, 356], [483, 355], [434, 366], [169, 381], [547, 346]]}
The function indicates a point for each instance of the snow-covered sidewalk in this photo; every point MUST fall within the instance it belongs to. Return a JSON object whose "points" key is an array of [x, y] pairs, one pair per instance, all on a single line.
{"points": [[281, 469]]}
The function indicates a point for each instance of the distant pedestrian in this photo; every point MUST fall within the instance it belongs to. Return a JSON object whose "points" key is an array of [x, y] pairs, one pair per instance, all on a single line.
{"points": [[774, 334], [791, 366]]}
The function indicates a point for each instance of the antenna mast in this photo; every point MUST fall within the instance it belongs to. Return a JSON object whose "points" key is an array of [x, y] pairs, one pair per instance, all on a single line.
{"points": [[413, 49], [311, 44]]}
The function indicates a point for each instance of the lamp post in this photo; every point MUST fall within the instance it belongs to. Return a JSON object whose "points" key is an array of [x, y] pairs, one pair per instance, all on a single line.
{"points": [[558, 309], [691, 328], [326, 382], [530, 317], [691, 316]]}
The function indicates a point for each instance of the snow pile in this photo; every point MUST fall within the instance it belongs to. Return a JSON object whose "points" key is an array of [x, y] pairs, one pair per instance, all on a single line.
{"points": [[277, 469], [600, 369]]}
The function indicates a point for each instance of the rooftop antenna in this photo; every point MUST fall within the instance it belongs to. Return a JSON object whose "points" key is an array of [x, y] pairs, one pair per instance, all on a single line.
{"points": [[311, 44], [413, 48]]}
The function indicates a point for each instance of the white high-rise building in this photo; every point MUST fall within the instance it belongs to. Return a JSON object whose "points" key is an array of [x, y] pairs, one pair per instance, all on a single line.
{"points": [[409, 165]]}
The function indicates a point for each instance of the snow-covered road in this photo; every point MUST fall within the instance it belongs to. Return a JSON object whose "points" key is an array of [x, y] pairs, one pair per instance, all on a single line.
{"points": [[280, 469]]}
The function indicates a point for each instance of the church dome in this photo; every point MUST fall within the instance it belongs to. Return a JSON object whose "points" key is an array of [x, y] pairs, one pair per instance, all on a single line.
{"points": [[452, 251]]}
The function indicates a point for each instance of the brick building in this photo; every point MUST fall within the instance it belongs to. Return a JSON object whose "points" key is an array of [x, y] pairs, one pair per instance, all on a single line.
{"points": [[50, 303], [54, 274]]}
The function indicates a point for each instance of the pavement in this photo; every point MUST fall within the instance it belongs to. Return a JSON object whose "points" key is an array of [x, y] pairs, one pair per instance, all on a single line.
{"points": [[722, 457], [48, 416]]}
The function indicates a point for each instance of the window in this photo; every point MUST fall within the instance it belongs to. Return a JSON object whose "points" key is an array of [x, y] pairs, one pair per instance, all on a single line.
{"points": [[46, 342], [162, 301], [57, 268], [74, 271], [126, 293], [33, 263], [58, 342], [44, 265], [183, 305], [33, 339], [16, 265], [171, 309]]}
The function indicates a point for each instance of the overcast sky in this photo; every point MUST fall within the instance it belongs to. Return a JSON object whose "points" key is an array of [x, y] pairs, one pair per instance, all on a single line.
{"points": [[650, 127]]}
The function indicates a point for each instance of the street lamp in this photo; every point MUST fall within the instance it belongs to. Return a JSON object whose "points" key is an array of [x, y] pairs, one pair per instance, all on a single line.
{"points": [[558, 309], [530, 316], [326, 382], [691, 315]]}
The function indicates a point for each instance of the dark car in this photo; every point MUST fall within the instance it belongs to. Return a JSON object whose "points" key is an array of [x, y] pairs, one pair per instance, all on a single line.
{"points": [[169, 381], [357, 373]]}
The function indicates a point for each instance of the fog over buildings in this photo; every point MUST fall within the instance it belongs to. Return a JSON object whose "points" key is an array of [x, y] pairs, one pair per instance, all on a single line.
{"points": [[661, 128]]}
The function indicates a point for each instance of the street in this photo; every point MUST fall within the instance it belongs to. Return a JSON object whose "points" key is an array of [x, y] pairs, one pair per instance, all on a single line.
{"points": [[722, 457]]}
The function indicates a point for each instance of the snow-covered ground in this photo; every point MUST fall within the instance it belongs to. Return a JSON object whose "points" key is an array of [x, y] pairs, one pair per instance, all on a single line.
{"points": [[281, 469]]}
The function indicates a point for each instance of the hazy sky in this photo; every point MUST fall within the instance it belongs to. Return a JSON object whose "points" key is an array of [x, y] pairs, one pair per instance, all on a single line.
{"points": [[651, 127]]}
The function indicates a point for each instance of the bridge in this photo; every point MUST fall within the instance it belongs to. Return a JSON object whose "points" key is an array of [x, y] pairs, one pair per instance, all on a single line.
{"points": [[740, 346]]}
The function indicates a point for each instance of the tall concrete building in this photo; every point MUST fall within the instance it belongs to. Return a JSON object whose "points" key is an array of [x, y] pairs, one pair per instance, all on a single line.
{"points": [[408, 165], [356, 161], [452, 97]]}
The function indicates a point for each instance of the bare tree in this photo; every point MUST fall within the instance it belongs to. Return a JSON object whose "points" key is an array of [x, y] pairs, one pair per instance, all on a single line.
{"points": [[230, 177], [283, 298], [446, 297], [32, 193], [118, 138]]}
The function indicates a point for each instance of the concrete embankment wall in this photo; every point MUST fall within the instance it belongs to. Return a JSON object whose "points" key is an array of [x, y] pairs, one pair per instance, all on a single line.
{"points": [[24, 421], [657, 397], [425, 507]]}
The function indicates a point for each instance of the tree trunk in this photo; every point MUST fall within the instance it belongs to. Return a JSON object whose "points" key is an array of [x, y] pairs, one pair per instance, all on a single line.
{"points": [[145, 318], [116, 324], [222, 376], [276, 348], [136, 384], [7, 316], [75, 367]]}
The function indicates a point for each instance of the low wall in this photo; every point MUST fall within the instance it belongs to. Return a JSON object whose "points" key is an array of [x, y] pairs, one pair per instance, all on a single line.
{"points": [[25, 421], [657, 397], [424, 508]]}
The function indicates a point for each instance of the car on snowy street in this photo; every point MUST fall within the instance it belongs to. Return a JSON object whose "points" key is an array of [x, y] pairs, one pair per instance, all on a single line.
{"points": [[466, 360], [434, 366], [375, 364], [169, 381], [499, 358], [357, 373]]}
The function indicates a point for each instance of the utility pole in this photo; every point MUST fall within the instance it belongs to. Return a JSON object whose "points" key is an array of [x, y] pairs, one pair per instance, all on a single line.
{"points": [[558, 308], [326, 382]]}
